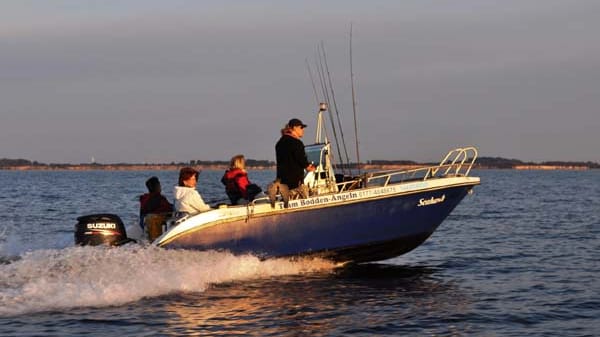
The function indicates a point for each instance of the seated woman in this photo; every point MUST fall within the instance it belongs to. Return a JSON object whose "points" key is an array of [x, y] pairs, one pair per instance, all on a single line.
{"points": [[237, 186], [187, 199]]}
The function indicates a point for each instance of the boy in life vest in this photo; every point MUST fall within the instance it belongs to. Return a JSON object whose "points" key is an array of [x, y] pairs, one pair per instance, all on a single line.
{"points": [[154, 201], [237, 186]]}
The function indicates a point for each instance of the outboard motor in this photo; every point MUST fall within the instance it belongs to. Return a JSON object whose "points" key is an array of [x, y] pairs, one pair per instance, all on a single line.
{"points": [[99, 229]]}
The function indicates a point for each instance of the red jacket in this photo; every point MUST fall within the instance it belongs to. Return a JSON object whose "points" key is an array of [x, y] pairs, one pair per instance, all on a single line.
{"points": [[236, 183], [154, 203]]}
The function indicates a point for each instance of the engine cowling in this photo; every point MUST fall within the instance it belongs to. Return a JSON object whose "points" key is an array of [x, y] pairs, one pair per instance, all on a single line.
{"points": [[100, 229]]}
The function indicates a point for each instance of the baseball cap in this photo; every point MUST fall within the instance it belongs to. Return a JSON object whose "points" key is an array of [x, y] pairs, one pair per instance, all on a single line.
{"points": [[296, 122]]}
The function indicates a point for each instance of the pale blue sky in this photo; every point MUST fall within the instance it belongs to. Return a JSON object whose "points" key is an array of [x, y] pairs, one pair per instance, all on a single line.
{"points": [[161, 81]]}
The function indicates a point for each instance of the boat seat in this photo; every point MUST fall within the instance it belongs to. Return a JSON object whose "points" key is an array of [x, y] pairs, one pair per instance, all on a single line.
{"points": [[154, 224]]}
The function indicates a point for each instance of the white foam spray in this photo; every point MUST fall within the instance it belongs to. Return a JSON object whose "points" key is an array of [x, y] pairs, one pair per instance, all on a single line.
{"points": [[10, 245], [59, 279]]}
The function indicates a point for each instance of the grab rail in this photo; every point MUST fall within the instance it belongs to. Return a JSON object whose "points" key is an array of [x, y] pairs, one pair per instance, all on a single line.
{"points": [[457, 162]]}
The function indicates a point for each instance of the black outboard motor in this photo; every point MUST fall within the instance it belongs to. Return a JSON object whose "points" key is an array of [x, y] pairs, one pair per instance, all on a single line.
{"points": [[99, 229]]}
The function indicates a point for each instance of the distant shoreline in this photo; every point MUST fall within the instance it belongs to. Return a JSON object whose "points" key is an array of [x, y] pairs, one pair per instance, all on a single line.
{"points": [[253, 164], [115, 167], [176, 167]]}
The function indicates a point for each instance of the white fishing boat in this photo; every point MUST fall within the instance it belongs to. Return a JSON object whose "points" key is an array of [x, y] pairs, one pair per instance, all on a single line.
{"points": [[362, 217], [371, 216]]}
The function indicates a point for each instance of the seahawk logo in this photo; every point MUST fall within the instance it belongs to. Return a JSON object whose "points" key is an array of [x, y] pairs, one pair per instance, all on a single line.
{"points": [[431, 201]]}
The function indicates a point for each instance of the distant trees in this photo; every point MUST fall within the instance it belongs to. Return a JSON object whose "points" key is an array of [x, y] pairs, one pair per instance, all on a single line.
{"points": [[503, 163], [588, 164], [249, 163], [391, 162], [18, 162], [482, 162], [497, 162]]}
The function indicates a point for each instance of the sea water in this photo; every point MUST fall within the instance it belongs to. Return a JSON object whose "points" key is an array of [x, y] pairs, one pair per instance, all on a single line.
{"points": [[519, 257]]}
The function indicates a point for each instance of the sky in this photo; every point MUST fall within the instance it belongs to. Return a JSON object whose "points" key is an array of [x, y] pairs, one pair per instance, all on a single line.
{"points": [[148, 81]]}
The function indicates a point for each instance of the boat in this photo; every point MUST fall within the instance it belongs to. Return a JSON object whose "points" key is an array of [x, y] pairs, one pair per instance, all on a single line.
{"points": [[371, 216]]}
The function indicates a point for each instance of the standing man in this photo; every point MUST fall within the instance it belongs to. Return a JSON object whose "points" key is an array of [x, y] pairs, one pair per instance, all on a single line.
{"points": [[290, 155]]}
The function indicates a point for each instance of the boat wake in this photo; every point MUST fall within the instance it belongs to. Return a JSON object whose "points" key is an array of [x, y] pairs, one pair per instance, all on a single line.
{"points": [[9, 246], [59, 279]]}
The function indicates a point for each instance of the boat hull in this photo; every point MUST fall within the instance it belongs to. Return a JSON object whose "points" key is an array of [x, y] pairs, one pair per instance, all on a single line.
{"points": [[358, 231]]}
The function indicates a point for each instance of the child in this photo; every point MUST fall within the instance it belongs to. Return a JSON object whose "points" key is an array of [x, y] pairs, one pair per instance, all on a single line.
{"points": [[237, 186], [153, 201]]}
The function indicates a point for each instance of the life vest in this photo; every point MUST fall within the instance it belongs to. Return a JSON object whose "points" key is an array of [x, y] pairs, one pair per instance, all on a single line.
{"points": [[154, 203], [235, 181]]}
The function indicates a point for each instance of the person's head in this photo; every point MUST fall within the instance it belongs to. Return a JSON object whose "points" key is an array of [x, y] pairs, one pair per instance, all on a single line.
{"points": [[285, 130], [153, 185], [238, 162], [188, 177], [296, 127]]}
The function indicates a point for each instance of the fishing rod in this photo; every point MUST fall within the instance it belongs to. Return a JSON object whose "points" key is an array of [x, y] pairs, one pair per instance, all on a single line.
{"points": [[321, 72], [354, 104], [337, 111], [312, 81], [322, 107], [319, 66]]}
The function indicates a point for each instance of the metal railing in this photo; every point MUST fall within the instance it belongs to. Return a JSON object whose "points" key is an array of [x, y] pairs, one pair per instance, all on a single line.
{"points": [[457, 162]]}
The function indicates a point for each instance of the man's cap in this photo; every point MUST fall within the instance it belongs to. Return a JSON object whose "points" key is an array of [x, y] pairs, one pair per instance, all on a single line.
{"points": [[296, 122]]}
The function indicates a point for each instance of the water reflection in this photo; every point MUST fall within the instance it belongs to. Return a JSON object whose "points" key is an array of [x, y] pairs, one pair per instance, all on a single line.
{"points": [[373, 297]]}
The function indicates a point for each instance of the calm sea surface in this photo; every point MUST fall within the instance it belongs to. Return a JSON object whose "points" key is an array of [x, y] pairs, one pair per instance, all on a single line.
{"points": [[519, 257]]}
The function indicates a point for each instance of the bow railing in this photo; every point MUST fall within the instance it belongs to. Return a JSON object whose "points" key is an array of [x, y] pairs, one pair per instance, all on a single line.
{"points": [[458, 162]]}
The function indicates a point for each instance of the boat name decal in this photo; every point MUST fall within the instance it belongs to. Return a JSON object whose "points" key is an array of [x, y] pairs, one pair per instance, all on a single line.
{"points": [[431, 201], [324, 199], [343, 196], [101, 225]]}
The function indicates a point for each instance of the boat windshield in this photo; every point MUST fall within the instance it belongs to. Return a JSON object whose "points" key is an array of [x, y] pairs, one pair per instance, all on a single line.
{"points": [[313, 153]]}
